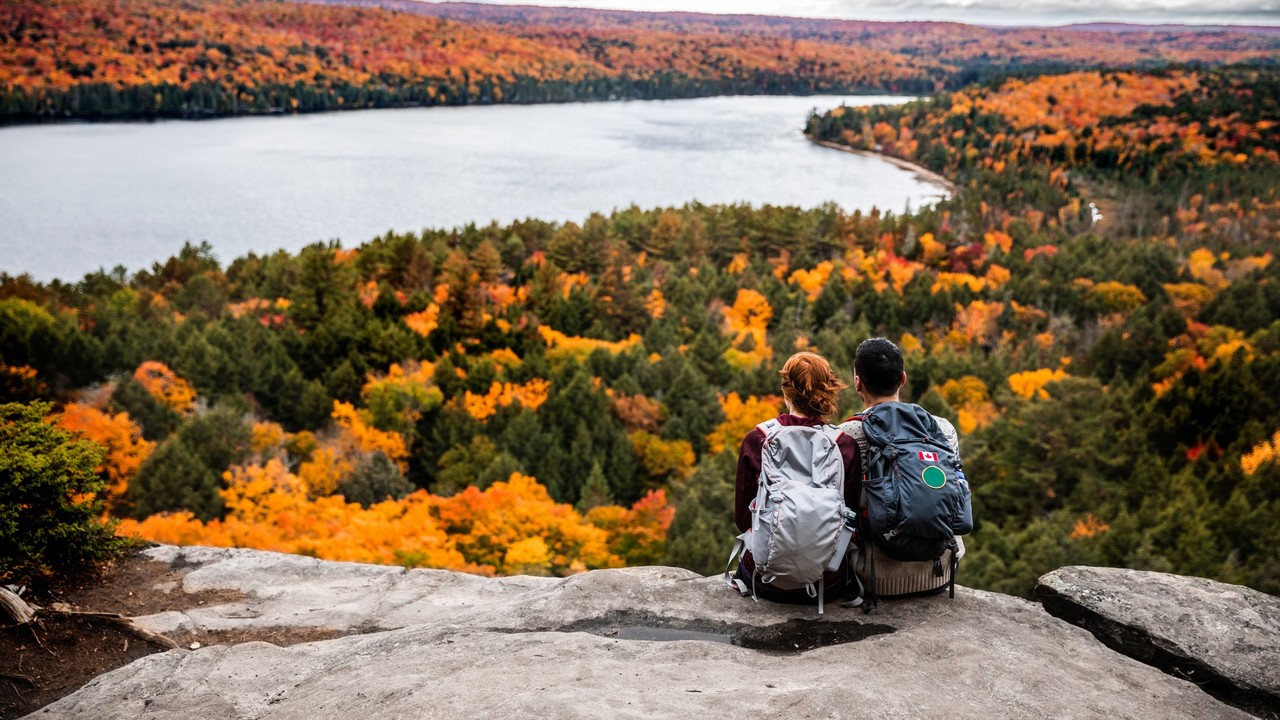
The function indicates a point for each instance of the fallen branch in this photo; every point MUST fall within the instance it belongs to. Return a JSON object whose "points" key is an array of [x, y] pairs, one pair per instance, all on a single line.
{"points": [[19, 610], [15, 607], [23, 678], [118, 619]]}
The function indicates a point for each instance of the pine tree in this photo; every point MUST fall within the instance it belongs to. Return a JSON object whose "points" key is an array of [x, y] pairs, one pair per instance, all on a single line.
{"points": [[156, 420], [44, 527], [702, 531], [595, 491], [692, 409], [374, 480], [219, 437], [175, 478]]}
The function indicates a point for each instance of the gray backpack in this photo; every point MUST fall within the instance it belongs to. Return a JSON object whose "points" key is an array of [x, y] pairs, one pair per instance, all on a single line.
{"points": [[800, 527]]}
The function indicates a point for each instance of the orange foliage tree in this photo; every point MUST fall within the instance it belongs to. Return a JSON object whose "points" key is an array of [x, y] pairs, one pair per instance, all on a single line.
{"points": [[126, 450], [510, 527], [165, 386]]}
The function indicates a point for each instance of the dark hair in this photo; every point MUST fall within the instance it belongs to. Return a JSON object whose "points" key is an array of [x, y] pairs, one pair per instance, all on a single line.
{"points": [[810, 385], [879, 363]]}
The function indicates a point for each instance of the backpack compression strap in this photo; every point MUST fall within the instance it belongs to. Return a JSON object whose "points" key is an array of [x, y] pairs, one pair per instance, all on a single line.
{"points": [[739, 546]]}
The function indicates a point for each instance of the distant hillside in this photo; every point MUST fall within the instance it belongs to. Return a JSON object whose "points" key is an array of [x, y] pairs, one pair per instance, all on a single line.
{"points": [[1119, 27], [949, 42], [167, 58]]}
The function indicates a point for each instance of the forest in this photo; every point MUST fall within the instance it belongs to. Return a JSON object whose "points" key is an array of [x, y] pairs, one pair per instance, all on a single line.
{"points": [[122, 59], [1097, 308]]}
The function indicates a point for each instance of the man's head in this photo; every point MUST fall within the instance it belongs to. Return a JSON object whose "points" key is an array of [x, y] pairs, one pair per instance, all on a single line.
{"points": [[877, 369]]}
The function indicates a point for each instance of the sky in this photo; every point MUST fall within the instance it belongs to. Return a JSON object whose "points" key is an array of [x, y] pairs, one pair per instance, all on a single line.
{"points": [[984, 12]]}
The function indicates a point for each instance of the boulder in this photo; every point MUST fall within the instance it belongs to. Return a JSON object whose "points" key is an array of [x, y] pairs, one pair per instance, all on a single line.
{"points": [[636, 642], [1225, 638]]}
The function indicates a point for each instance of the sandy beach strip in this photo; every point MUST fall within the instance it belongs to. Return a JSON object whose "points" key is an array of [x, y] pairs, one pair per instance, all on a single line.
{"points": [[919, 171]]}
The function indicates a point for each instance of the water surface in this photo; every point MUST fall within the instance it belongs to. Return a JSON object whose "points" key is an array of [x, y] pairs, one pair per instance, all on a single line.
{"points": [[77, 197]]}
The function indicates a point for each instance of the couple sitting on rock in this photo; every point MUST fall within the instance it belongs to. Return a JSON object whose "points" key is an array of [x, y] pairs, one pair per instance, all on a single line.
{"points": [[836, 461]]}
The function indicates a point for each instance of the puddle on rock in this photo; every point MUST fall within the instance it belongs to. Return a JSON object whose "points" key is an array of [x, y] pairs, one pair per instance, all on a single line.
{"points": [[793, 636]]}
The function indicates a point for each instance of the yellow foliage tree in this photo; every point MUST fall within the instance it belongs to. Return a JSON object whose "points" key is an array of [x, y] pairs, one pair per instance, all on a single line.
{"points": [[1264, 452], [968, 395], [1201, 266], [358, 434], [561, 346], [748, 322], [1188, 298], [483, 524], [661, 458], [530, 395], [812, 281], [1031, 383], [740, 417], [1117, 296], [637, 535]]}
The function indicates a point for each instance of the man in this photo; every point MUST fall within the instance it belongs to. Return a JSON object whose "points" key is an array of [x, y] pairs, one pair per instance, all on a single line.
{"points": [[878, 377]]}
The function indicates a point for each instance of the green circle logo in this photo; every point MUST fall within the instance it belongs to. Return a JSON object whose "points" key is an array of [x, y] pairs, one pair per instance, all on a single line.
{"points": [[934, 477]]}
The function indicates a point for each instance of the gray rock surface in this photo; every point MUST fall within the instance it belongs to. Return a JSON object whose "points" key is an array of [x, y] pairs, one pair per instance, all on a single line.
{"points": [[1225, 638], [294, 591], [563, 648]]}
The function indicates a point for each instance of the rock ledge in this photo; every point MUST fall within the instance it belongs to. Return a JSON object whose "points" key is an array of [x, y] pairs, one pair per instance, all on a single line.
{"points": [[632, 643], [1224, 638]]}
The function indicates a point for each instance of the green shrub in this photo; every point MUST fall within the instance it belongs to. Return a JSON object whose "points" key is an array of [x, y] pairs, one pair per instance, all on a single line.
{"points": [[49, 515]]}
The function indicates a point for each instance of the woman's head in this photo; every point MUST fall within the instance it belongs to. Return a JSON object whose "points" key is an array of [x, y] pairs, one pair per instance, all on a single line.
{"points": [[810, 386]]}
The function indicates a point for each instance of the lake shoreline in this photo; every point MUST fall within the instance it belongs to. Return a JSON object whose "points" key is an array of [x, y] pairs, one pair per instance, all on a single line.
{"points": [[920, 171], [200, 116]]}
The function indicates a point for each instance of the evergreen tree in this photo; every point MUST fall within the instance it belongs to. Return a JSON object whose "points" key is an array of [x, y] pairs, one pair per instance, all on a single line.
{"points": [[219, 437], [175, 478], [374, 480], [702, 531], [156, 420], [595, 491], [692, 409], [45, 526]]}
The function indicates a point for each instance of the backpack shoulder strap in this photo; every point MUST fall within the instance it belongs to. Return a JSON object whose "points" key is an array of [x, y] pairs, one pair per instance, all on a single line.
{"points": [[949, 432], [853, 428], [769, 427], [833, 433]]}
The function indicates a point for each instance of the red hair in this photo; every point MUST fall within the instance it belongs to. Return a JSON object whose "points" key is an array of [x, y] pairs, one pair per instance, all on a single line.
{"points": [[809, 384]]}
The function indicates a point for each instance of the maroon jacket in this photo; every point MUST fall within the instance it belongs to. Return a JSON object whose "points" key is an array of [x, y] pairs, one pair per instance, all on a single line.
{"points": [[748, 480]]}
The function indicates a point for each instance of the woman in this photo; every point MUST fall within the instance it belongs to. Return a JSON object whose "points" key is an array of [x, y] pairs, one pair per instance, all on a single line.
{"points": [[811, 391]]}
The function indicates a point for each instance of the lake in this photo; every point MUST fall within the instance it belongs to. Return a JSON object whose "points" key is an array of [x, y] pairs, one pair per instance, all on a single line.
{"points": [[77, 197]]}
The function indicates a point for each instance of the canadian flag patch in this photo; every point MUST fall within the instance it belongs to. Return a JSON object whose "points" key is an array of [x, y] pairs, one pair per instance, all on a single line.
{"points": [[928, 456]]}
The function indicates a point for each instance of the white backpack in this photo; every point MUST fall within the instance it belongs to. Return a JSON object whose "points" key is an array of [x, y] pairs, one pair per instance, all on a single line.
{"points": [[800, 526]]}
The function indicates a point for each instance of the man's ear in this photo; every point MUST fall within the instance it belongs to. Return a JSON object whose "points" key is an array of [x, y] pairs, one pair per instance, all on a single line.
{"points": [[903, 382], [857, 383]]}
